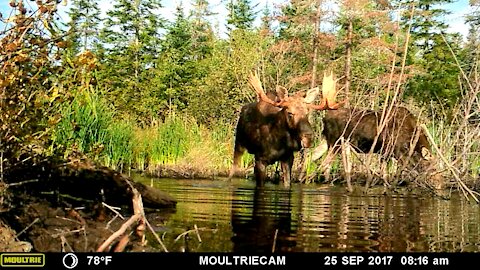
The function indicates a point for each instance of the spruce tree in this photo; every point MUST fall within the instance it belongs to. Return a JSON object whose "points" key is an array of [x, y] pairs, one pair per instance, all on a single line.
{"points": [[436, 74], [175, 69], [84, 24], [202, 32], [131, 38], [241, 15]]}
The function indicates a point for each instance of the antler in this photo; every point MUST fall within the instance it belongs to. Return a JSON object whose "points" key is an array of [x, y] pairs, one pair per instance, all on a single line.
{"points": [[257, 86], [329, 94]]}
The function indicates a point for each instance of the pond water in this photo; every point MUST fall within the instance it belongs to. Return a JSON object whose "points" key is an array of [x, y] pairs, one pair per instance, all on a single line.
{"points": [[235, 216]]}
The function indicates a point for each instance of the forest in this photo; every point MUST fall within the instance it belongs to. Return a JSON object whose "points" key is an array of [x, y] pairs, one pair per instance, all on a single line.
{"points": [[131, 90]]}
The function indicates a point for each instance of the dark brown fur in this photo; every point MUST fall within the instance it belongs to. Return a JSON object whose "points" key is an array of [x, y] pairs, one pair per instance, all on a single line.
{"points": [[401, 138], [360, 128], [272, 134], [276, 126]]}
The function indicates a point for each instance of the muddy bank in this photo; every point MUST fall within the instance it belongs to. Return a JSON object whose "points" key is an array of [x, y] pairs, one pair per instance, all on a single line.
{"points": [[73, 206]]}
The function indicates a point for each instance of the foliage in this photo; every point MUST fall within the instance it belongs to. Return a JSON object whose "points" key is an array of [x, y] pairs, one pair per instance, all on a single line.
{"points": [[29, 87], [435, 77], [130, 47]]}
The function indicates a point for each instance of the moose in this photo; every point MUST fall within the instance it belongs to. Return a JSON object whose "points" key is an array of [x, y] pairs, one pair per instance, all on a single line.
{"points": [[276, 126], [400, 137]]}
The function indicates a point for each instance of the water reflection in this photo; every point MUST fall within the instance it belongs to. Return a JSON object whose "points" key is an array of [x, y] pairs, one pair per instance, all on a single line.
{"points": [[264, 226], [235, 216]]}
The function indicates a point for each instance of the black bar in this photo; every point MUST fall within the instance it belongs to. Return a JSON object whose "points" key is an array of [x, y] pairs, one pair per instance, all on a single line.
{"points": [[270, 261]]}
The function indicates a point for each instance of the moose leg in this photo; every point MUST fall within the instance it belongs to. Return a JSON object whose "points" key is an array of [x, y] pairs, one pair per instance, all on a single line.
{"points": [[287, 170], [237, 155], [260, 173]]}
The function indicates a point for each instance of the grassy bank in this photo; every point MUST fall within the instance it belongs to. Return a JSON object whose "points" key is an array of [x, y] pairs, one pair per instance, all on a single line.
{"points": [[177, 146]]}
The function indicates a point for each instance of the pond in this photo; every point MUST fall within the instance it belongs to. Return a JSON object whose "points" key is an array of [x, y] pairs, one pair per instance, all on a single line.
{"points": [[235, 216]]}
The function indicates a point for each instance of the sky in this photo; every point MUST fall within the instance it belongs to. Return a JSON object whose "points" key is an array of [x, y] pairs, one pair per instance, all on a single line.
{"points": [[456, 20]]}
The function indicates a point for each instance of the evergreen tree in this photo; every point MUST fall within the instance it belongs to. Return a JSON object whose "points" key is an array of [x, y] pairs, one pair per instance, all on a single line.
{"points": [[131, 38], [176, 63], [426, 21], [202, 32], [365, 28], [436, 77], [241, 15], [299, 41], [132, 31], [266, 25], [84, 23], [472, 46]]}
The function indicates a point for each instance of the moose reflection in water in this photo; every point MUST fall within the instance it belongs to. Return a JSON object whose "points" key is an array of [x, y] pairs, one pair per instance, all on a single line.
{"points": [[267, 226], [238, 216], [338, 223]]}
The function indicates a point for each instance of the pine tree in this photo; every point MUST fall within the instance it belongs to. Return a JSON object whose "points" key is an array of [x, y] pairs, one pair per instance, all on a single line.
{"points": [[266, 25], [131, 38], [132, 31], [472, 46], [426, 21], [84, 24], [302, 41], [241, 15], [202, 32], [436, 76], [176, 64], [364, 28]]}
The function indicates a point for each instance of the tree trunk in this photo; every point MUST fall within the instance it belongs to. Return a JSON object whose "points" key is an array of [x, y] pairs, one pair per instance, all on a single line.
{"points": [[348, 58], [302, 171], [315, 44]]}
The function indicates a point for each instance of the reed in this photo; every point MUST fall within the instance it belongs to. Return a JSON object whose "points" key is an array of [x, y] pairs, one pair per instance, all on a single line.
{"points": [[118, 152], [84, 126]]}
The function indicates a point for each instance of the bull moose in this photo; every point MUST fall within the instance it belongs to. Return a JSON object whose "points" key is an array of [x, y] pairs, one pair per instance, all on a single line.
{"points": [[276, 126], [400, 138]]}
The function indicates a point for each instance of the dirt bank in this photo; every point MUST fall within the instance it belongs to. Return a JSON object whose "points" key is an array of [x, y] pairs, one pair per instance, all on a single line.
{"points": [[73, 206]]}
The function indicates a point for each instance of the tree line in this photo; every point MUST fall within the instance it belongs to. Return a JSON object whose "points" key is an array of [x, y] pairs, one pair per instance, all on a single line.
{"points": [[149, 66]]}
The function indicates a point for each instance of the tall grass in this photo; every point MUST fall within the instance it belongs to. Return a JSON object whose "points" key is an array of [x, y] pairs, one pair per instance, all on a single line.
{"points": [[84, 125], [91, 127], [88, 127], [170, 140]]}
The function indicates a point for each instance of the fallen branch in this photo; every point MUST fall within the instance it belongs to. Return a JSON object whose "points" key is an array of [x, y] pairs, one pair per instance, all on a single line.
{"points": [[114, 210], [121, 244], [198, 234], [139, 216], [26, 228], [274, 241], [156, 235], [21, 183], [196, 230], [119, 232]]}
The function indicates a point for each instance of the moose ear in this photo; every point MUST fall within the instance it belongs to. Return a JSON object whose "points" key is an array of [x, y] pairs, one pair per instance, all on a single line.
{"points": [[311, 95], [282, 92]]}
